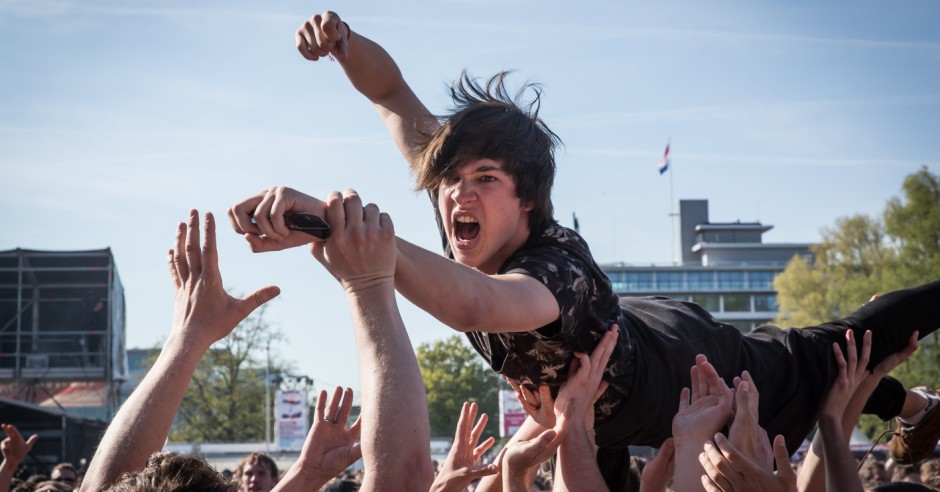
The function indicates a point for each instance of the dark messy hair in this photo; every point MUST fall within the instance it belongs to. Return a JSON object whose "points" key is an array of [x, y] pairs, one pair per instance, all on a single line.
{"points": [[486, 122]]}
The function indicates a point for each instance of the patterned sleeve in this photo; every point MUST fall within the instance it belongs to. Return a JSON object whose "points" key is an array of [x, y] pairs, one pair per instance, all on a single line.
{"points": [[558, 261]]}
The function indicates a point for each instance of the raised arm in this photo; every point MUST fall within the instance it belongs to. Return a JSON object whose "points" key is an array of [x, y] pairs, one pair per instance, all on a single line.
{"points": [[203, 313], [577, 461], [329, 448], [395, 429], [458, 296], [373, 73], [14, 449]]}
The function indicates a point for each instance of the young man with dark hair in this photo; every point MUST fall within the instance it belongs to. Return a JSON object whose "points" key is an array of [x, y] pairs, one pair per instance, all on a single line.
{"points": [[533, 295]]}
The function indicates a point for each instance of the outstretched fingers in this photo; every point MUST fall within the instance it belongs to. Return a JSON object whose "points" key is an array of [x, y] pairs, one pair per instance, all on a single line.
{"points": [[193, 247]]}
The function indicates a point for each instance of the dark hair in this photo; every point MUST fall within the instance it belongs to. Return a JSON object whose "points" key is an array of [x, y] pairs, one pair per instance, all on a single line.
{"points": [[254, 459], [486, 122], [171, 472]]}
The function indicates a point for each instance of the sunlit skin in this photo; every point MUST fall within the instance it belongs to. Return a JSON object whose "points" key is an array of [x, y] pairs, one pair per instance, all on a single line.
{"points": [[256, 477], [480, 191]]}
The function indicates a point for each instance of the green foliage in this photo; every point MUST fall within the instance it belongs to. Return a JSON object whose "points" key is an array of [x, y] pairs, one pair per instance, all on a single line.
{"points": [[862, 256], [453, 373], [225, 400], [850, 265]]}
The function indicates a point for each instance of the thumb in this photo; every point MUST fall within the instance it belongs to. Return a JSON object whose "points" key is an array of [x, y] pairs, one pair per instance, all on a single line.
{"points": [[482, 470], [782, 456], [255, 300], [32, 440]]}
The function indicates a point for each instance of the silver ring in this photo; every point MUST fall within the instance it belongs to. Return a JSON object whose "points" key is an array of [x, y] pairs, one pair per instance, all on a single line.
{"points": [[331, 420]]}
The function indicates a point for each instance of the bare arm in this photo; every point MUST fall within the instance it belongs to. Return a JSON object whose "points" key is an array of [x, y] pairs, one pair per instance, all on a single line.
{"points": [[329, 448], [577, 461], [203, 314], [373, 73], [395, 428], [14, 449], [468, 300], [459, 296]]}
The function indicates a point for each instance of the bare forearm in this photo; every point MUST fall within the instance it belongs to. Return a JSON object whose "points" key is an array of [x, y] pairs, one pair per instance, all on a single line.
{"points": [[373, 72], [7, 470], [688, 469], [839, 463], [812, 477], [577, 463], [395, 427], [514, 480], [141, 426], [468, 300]]}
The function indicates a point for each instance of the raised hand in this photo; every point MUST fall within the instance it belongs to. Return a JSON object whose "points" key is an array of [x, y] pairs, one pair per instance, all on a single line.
{"points": [[203, 312], [361, 251], [14, 447], [703, 409], [745, 432], [462, 464], [726, 469], [540, 406], [584, 384], [323, 35], [260, 218], [329, 448], [658, 471]]}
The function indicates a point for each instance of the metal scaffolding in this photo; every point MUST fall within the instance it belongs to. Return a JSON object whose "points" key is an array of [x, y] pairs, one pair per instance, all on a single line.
{"points": [[61, 328]]}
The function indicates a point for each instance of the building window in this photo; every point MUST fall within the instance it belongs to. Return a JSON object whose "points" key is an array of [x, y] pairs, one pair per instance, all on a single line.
{"points": [[669, 281], [737, 303], [743, 326], [765, 303], [708, 301], [639, 280], [760, 280], [730, 280], [700, 281]]}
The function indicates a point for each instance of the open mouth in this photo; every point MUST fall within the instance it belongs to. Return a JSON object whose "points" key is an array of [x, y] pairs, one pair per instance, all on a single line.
{"points": [[466, 228]]}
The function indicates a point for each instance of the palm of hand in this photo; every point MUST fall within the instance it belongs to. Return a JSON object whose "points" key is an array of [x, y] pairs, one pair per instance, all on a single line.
{"points": [[703, 417], [334, 448]]}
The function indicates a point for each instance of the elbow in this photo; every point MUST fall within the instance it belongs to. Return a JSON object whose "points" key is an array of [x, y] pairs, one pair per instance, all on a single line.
{"points": [[471, 315]]}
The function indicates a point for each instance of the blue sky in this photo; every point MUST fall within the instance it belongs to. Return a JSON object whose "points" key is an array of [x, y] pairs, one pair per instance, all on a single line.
{"points": [[116, 118]]}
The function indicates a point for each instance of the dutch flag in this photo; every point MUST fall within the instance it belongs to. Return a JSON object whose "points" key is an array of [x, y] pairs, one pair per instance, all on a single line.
{"points": [[664, 163]]}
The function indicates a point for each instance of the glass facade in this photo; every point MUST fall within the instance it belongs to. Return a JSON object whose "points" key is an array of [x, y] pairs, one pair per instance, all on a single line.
{"points": [[765, 302], [711, 302], [701, 280], [737, 303], [730, 280], [760, 280]]}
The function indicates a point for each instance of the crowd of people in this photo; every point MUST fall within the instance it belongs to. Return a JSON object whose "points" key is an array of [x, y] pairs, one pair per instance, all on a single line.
{"points": [[594, 372]]}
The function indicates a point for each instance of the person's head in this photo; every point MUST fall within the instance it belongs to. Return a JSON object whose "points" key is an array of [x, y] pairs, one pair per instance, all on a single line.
{"points": [[65, 473], [488, 123], [166, 472], [930, 473], [906, 473], [256, 472], [52, 486], [873, 473]]}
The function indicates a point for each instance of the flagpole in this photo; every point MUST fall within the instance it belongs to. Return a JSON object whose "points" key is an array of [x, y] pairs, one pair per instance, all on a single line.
{"points": [[673, 215]]}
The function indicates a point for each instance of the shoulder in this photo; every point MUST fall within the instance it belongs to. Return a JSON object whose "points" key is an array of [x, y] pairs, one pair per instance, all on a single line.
{"points": [[555, 244]]}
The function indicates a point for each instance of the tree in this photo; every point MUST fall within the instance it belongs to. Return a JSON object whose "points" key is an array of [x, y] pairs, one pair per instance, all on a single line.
{"points": [[862, 256], [453, 373], [914, 224], [225, 400], [851, 263]]}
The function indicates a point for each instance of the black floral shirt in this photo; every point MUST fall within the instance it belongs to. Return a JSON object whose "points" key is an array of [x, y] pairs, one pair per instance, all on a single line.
{"points": [[559, 258]]}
